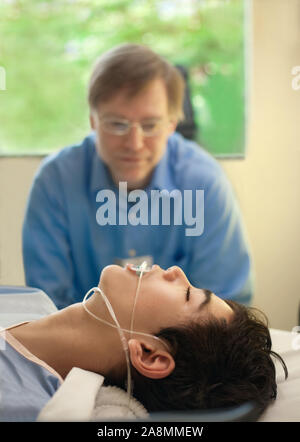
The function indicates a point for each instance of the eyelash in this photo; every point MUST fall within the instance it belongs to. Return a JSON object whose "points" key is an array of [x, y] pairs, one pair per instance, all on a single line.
{"points": [[188, 293]]}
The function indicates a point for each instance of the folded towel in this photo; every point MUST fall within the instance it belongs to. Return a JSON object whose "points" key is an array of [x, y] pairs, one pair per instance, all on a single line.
{"points": [[82, 397], [112, 403]]}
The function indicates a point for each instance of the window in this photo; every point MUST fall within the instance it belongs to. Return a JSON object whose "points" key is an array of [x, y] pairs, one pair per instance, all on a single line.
{"points": [[47, 49]]}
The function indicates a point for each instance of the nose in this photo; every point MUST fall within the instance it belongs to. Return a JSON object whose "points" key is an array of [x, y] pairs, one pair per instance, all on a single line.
{"points": [[134, 139], [175, 272]]}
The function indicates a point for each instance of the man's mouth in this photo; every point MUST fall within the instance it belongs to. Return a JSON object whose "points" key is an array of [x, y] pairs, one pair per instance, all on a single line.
{"points": [[132, 159]]}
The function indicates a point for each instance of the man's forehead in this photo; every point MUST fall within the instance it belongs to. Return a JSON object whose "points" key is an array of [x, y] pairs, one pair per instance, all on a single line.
{"points": [[152, 101], [132, 93]]}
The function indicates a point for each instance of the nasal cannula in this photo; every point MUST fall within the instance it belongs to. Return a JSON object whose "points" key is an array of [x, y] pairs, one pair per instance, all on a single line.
{"points": [[140, 270]]}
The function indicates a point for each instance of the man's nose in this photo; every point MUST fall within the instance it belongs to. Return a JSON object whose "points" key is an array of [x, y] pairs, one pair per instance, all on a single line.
{"points": [[135, 138]]}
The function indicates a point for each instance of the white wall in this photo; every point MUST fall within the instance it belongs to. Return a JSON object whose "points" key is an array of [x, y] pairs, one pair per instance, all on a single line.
{"points": [[267, 181]]}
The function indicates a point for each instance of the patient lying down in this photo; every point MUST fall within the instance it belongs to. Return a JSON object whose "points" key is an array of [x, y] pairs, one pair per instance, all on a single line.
{"points": [[188, 349]]}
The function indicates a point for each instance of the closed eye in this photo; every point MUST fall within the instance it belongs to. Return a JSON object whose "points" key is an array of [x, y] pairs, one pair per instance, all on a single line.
{"points": [[188, 293]]}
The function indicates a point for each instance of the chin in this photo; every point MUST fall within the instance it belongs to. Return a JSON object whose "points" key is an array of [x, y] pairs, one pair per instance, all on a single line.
{"points": [[110, 271], [133, 175], [137, 182]]}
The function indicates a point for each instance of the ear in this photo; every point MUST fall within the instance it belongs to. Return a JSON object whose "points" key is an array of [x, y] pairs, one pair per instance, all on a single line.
{"points": [[173, 125], [92, 121], [150, 361]]}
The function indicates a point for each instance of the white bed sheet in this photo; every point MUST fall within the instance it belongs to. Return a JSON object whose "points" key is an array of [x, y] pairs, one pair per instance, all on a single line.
{"points": [[286, 408], [24, 304]]}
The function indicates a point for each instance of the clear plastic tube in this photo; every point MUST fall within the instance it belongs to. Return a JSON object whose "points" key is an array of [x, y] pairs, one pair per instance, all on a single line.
{"points": [[139, 271], [120, 330]]}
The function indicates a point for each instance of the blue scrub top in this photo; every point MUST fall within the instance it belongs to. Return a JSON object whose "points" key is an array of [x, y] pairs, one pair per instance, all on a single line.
{"points": [[65, 248]]}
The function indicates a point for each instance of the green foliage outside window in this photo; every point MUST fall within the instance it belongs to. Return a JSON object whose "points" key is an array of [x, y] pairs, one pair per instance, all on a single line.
{"points": [[47, 49]]}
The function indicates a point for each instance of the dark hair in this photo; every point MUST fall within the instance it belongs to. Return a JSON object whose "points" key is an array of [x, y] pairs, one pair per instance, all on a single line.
{"points": [[132, 67], [217, 364]]}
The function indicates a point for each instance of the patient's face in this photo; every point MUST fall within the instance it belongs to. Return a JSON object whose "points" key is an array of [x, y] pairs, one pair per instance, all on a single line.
{"points": [[163, 299]]}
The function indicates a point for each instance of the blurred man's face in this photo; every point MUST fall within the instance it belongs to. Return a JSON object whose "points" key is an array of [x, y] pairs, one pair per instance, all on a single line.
{"points": [[131, 157]]}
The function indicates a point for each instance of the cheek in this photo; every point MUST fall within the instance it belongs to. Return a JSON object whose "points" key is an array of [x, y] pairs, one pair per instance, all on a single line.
{"points": [[107, 144], [157, 148], [156, 302]]}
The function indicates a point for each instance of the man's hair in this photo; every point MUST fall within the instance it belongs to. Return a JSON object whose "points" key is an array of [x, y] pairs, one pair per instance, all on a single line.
{"points": [[131, 67], [217, 364]]}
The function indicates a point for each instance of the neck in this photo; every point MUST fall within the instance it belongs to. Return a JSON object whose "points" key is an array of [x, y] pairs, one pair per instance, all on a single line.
{"points": [[71, 338]]}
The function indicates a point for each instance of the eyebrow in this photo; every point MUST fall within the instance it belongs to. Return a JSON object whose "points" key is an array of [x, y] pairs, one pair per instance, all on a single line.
{"points": [[121, 117], [207, 299]]}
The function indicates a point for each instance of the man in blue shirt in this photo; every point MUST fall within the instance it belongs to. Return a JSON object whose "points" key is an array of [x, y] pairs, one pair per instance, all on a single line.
{"points": [[133, 190]]}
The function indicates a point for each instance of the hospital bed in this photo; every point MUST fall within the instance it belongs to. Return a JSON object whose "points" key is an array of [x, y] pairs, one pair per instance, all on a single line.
{"points": [[71, 403]]}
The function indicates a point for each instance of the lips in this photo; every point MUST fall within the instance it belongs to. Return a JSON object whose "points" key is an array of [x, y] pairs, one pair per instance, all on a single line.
{"points": [[132, 160]]}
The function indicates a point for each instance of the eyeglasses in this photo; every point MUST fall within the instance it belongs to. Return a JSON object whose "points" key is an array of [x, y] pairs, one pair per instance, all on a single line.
{"points": [[120, 126]]}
